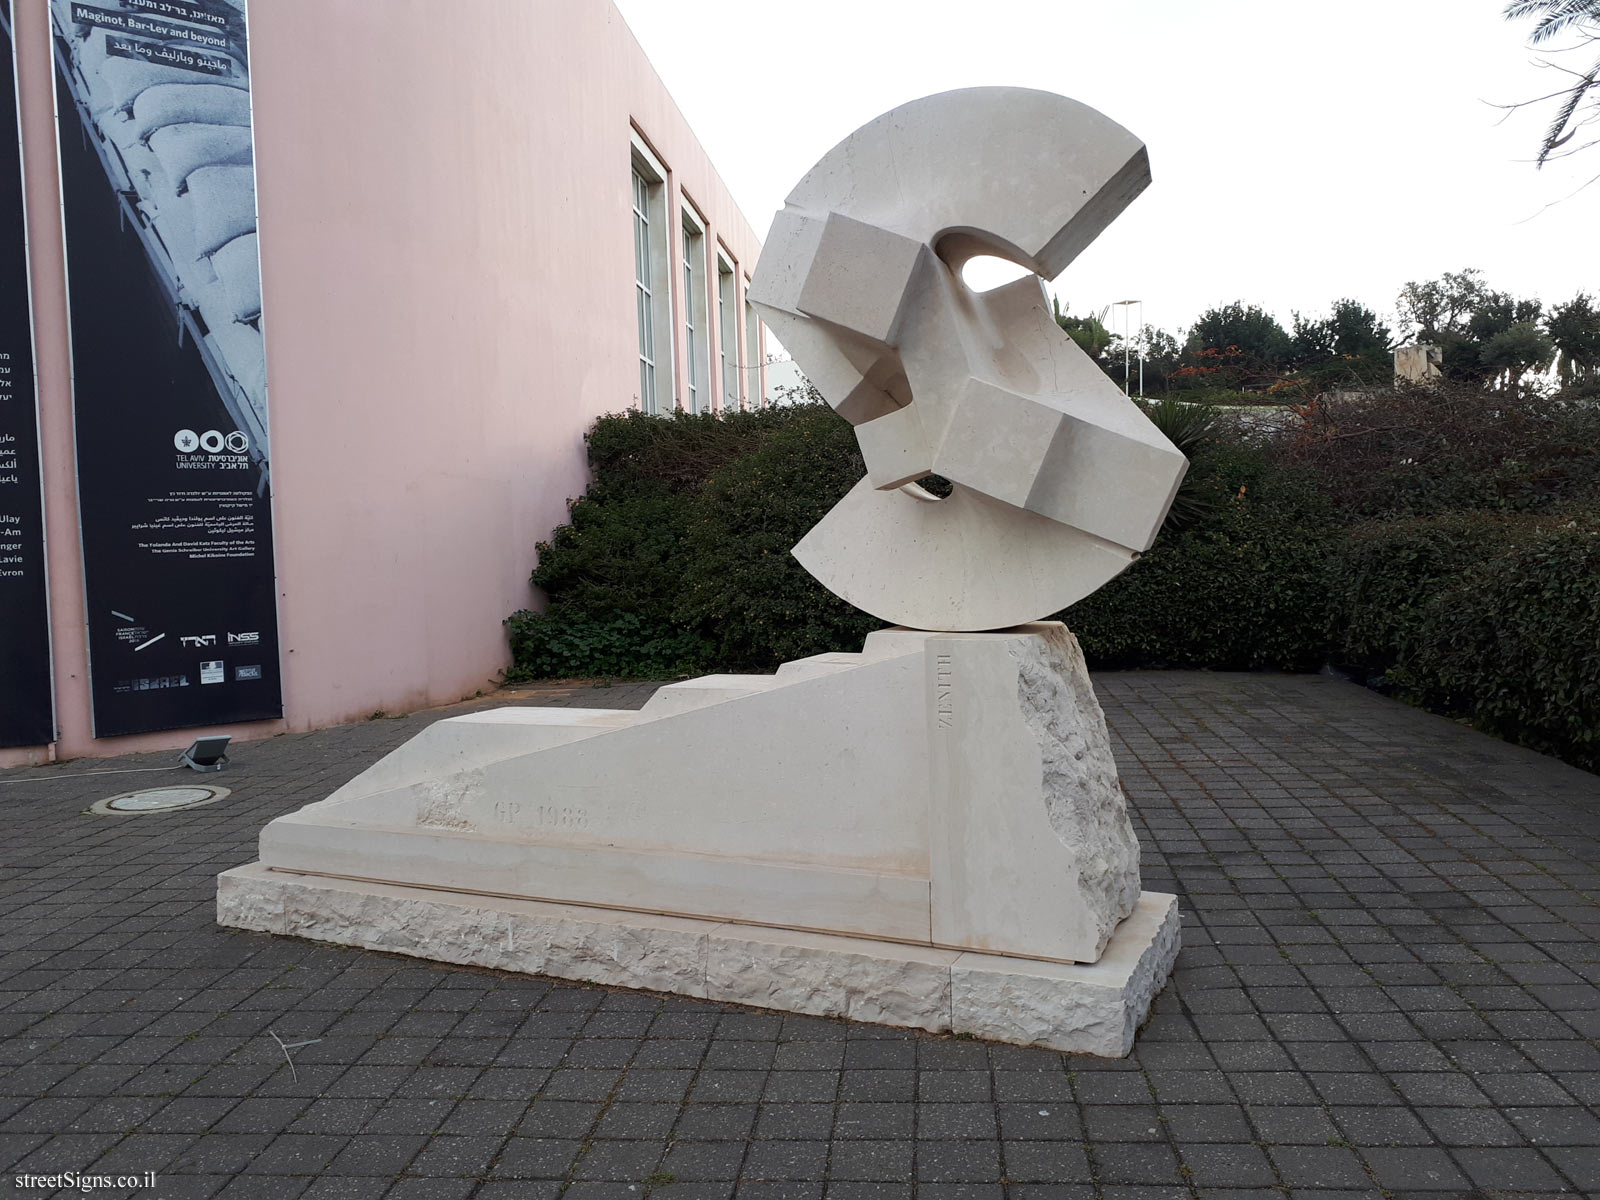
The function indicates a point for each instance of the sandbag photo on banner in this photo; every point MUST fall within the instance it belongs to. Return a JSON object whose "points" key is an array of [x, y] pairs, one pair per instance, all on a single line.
{"points": [[169, 363]]}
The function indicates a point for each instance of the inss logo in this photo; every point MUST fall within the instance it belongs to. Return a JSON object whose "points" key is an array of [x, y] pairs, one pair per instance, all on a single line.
{"points": [[211, 441]]}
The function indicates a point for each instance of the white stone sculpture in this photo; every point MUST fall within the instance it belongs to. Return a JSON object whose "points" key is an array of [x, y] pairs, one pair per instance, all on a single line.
{"points": [[895, 834], [929, 832], [1060, 481]]}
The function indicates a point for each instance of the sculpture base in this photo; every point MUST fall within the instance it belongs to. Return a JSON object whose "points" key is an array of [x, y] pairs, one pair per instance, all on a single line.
{"points": [[1091, 1009]]}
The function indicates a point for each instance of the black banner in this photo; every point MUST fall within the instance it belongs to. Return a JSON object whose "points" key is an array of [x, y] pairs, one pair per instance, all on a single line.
{"points": [[169, 366], [26, 713]]}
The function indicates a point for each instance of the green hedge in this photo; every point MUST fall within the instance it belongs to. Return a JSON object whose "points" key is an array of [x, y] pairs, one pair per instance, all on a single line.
{"points": [[1483, 616], [676, 562], [680, 549], [740, 585], [1386, 576], [1239, 589]]}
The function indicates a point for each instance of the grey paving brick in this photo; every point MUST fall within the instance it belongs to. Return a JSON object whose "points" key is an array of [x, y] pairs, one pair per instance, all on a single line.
{"points": [[431, 1189], [1046, 1162], [1217, 1166], [1389, 962], [803, 1121], [1035, 1122], [786, 1160], [536, 1158], [703, 1161], [1509, 1168], [709, 1122], [383, 1154], [456, 1155], [264, 1187], [1135, 1163], [1416, 1169], [304, 1154], [629, 1161], [520, 1189], [879, 1161]]}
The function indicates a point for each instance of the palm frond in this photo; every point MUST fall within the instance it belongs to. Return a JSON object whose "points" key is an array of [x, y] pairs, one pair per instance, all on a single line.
{"points": [[1557, 16], [1558, 134]]}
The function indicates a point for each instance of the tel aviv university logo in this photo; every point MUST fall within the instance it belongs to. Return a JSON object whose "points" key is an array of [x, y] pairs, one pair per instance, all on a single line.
{"points": [[211, 441]]}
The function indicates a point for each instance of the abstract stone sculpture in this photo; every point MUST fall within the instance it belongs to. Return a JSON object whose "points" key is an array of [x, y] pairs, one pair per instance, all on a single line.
{"points": [[929, 832], [1059, 480]]}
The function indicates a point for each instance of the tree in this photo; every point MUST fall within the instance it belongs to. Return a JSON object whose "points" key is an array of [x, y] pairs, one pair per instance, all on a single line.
{"points": [[1357, 332], [1465, 317], [1091, 334], [1253, 331], [1574, 327], [1580, 100], [1439, 307], [1349, 345], [1163, 354], [1351, 331], [1518, 348]]}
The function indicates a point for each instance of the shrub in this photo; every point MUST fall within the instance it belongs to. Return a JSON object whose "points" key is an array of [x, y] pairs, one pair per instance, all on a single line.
{"points": [[740, 587], [567, 646], [1421, 450], [618, 554], [677, 453], [613, 572], [1511, 643], [1386, 575], [1240, 590], [1483, 615], [676, 560]]}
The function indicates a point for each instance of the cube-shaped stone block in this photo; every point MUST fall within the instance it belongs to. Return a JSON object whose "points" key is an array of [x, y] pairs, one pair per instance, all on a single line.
{"points": [[1116, 483], [996, 441], [859, 277], [895, 448]]}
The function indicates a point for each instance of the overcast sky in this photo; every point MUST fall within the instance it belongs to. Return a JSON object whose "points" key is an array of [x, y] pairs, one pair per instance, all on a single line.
{"points": [[1300, 152]]}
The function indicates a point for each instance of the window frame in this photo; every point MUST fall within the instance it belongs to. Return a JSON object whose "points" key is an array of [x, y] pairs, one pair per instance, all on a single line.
{"points": [[652, 278], [754, 376], [695, 317], [728, 341]]}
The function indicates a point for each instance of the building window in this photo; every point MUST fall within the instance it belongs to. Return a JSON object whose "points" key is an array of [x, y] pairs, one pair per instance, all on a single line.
{"points": [[752, 374], [728, 333], [652, 293], [696, 334]]}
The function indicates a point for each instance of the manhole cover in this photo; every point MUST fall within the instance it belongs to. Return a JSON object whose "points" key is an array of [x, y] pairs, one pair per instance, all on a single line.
{"points": [[159, 799]]}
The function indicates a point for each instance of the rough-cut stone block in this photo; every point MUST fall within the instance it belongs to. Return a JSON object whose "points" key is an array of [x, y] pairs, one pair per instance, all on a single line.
{"points": [[247, 901], [1033, 853], [1088, 1009], [595, 945], [830, 976]]}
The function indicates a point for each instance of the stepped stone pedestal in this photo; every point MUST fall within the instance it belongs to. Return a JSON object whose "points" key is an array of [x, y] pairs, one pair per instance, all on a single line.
{"points": [[929, 833]]}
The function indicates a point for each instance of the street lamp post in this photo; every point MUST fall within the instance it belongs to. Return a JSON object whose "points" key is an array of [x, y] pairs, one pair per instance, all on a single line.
{"points": [[1141, 349], [1127, 380]]}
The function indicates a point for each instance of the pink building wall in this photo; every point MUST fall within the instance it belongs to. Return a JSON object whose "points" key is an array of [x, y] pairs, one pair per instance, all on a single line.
{"points": [[448, 280]]}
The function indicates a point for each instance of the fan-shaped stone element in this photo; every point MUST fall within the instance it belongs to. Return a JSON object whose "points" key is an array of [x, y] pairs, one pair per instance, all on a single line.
{"points": [[1059, 480]]}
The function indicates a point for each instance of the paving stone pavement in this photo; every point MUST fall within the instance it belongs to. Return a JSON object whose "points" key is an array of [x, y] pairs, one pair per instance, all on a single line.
{"points": [[1388, 988]]}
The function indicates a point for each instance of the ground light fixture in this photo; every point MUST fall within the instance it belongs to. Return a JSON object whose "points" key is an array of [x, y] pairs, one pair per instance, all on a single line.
{"points": [[206, 754]]}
